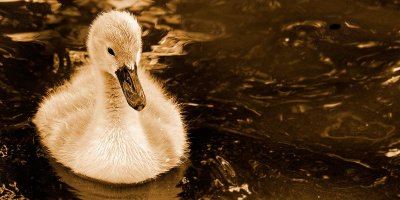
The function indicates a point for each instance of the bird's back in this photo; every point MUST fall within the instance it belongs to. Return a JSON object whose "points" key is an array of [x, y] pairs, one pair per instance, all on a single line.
{"points": [[66, 111]]}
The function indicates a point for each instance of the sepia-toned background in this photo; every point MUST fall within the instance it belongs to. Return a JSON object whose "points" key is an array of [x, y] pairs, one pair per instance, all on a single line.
{"points": [[284, 99]]}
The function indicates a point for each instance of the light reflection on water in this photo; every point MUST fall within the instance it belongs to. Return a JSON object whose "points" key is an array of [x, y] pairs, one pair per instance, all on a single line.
{"points": [[284, 99]]}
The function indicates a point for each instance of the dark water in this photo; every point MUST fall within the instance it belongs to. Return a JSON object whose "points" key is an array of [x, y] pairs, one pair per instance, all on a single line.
{"points": [[285, 99]]}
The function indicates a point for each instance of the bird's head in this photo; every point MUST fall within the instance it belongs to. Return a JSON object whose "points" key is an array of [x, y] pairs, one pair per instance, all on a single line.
{"points": [[114, 45]]}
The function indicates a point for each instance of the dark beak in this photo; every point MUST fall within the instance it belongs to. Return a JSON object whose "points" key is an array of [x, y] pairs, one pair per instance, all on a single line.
{"points": [[131, 87]]}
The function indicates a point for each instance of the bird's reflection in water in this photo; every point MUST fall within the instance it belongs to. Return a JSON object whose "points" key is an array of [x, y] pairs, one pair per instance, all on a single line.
{"points": [[163, 187]]}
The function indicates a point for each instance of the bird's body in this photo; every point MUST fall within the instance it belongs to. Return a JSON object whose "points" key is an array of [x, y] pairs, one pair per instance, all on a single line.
{"points": [[90, 126]]}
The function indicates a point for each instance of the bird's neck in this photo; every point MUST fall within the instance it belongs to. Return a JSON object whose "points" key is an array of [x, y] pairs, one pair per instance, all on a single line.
{"points": [[110, 102]]}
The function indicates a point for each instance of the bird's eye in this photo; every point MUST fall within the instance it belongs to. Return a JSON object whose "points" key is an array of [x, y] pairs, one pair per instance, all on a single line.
{"points": [[110, 51]]}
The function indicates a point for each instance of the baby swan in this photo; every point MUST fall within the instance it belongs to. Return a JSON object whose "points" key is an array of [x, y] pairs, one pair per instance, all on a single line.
{"points": [[112, 121]]}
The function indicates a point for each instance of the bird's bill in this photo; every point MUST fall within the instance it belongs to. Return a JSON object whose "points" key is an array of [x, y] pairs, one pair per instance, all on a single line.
{"points": [[131, 87]]}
